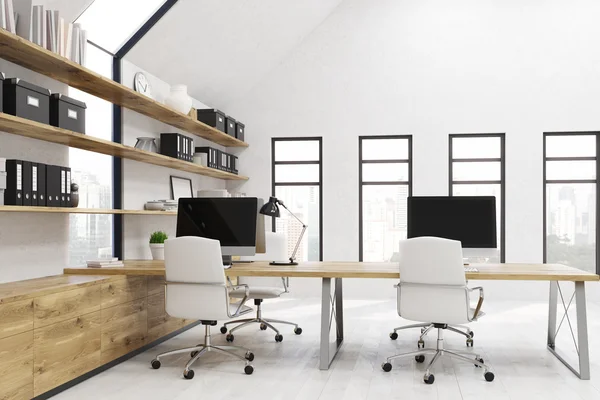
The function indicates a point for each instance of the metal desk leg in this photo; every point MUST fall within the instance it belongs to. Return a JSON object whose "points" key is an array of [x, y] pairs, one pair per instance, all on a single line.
{"points": [[581, 344], [332, 311]]}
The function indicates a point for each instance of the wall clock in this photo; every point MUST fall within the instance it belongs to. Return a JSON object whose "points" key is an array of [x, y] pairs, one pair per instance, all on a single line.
{"points": [[142, 85]]}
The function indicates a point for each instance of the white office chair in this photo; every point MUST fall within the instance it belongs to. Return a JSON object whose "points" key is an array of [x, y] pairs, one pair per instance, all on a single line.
{"points": [[196, 289], [433, 289], [264, 288]]}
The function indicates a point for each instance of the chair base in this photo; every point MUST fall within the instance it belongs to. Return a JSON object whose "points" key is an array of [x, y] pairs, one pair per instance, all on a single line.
{"points": [[198, 351], [264, 324], [437, 353], [426, 327]]}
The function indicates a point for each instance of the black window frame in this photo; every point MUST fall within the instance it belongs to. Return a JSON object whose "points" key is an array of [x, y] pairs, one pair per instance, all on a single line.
{"points": [[319, 184], [501, 182], [547, 181], [361, 183]]}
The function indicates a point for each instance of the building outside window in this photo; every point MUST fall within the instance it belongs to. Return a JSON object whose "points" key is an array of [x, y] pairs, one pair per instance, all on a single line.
{"points": [[297, 181], [385, 182]]}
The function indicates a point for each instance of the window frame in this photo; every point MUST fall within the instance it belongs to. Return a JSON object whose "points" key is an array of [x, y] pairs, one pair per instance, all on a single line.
{"points": [[361, 183], [546, 181], [319, 184], [501, 182]]}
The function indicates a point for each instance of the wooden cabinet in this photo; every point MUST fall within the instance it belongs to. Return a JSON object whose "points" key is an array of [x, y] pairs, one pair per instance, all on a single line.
{"points": [[124, 329], [59, 307], [16, 317], [123, 290], [16, 366]]}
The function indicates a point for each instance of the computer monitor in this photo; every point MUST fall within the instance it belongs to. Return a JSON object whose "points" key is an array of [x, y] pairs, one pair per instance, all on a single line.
{"points": [[469, 219], [230, 220]]}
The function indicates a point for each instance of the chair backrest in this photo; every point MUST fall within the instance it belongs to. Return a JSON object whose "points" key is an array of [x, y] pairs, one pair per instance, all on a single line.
{"points": [[197, 265], [276, 250], [432, 281]]}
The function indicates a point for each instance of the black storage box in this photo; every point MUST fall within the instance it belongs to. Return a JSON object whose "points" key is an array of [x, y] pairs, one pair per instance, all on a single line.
{"points": [[212, 117], [1, 85], [230, 128], [239, 130], [67, 113], [26, 100], [171, 145]]}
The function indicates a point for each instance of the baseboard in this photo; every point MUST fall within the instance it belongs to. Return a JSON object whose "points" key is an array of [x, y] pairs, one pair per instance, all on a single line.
{"points": [[111, 364]]}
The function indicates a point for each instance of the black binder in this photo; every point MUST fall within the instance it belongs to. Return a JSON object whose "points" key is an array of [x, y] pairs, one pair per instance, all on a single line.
{"points": [[68, 187], [52, 186], [41, 184], [63, 187], [34, 184], [13, 195], [26, 183]]}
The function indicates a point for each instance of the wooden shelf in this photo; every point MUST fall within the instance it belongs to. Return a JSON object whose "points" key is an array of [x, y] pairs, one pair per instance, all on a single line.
{"points": [[48, 133], [26, 54], [72, 210]]}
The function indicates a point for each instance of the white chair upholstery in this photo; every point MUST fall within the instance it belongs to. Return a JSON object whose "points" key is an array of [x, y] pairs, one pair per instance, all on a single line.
{"points": [[196, 289], [262, 288], [433, 289]]}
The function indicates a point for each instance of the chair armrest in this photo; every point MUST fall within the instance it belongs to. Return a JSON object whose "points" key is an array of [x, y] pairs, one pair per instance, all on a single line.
{"points": [[242, 302], [479, 302], [286, 284]]}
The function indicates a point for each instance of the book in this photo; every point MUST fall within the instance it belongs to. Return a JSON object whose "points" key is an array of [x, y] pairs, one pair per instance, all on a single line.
{"points": [[3, 14], [83, 49], [10, 16], [24, 8], [35, 37], [61, 37], [68, 39], [43, 25], [109, 265], [75, 43]]}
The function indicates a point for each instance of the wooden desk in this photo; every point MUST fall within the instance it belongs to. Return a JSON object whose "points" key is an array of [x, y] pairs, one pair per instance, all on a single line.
{"points": [[332, 301]]}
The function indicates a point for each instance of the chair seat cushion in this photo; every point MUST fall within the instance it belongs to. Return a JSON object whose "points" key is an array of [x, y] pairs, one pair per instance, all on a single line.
{"points": [[257, 292]]}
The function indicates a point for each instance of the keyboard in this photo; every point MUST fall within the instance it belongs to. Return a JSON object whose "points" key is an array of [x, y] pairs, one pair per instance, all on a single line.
{"points": [[471, 269]]}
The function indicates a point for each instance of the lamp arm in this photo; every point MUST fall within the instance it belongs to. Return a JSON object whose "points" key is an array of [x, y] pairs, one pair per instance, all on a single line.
{"points": [[292, 214], [293, 257]]}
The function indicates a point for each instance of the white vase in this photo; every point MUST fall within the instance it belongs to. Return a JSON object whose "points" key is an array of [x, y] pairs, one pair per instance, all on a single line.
{"points": [[158, 251], [179, 99]]}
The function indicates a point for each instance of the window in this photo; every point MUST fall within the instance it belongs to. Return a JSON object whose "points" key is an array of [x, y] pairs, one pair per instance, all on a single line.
{"points": [[297, 181], [477, 169], [110, 23], [570, 209], [90, 235], [385, 182]]}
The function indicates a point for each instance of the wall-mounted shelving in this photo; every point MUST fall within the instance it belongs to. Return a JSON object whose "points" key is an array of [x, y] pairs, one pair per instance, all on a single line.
{"points": [[73, 210], [26, 54], [48, 133]]}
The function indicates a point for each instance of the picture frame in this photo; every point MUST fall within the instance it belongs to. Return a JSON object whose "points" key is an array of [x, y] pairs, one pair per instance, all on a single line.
{"points": [[181, 187]]}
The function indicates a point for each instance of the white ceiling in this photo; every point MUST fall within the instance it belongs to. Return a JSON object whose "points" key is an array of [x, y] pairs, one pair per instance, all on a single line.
{"points": [[222, 48]]}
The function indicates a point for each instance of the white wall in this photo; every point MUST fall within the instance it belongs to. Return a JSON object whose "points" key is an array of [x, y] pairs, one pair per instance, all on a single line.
{"points": [[431, 68]]}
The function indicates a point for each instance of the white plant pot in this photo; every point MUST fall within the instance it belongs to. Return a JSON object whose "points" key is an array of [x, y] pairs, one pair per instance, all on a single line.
{"points": [[158, 251], [179, 99]]}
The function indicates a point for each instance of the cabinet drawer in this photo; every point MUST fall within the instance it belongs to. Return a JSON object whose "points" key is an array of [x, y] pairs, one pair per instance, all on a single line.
{"points": [[61, 306], [16, 366], [16, 317], [124, 329], [123, 291], [159, 322]]}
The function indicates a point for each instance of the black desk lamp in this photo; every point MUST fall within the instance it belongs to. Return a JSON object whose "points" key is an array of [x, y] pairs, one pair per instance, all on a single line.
{"points": [[271, 209]]}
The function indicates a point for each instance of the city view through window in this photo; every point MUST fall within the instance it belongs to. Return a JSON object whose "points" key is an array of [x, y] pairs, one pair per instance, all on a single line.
{"points": [[570, 200]]}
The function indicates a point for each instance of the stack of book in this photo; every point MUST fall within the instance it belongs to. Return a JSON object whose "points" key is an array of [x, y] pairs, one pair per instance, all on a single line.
{"points": [[105, 263]]}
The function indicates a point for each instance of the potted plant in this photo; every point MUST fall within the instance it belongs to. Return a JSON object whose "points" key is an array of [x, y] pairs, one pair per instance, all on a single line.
{"points": [[157, 245]]}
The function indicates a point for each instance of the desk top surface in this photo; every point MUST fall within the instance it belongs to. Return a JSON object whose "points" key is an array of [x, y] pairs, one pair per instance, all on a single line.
{"points": [[351, 269]]}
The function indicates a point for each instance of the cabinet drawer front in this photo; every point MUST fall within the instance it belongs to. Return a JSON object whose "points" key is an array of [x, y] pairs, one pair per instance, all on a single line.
{"points": [[123, 291], [159, 322], [16, 366], [16, 317], [66, 350], [62, 306], [124, 329], [156, 285]]}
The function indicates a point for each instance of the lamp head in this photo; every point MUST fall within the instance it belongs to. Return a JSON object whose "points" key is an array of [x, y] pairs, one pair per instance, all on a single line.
{"points": [[271, 209]]}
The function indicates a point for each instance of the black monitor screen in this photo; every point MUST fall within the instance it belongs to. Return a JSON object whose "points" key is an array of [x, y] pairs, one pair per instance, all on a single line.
{"points": [[230, 220], [470, 219]]}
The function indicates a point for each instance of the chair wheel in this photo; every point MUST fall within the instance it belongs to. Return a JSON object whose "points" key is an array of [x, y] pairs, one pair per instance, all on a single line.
{"points": [[489, 376], [223, 329], [155, 364], [480, 360], [278, 338], [229, 337], [248, 369], [249, 356], [420, 358], [429, 379], [263, 327], [387, 367], [193, 353], [189, 374], [421, 344], [298, 331], [469, 342], [393, 335], [472, 334]]}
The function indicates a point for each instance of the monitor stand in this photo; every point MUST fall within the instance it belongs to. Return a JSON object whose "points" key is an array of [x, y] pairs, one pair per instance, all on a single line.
{"points": [[227, 261], [480, 255]]}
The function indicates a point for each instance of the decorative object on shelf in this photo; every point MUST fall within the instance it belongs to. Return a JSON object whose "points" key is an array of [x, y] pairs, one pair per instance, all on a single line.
{"points": [[141, 84], [238, 194], [179, 99], [67, 113], [147, 144], [181, 187], [212, 117], [157, 245], [201, 158], [213, 193], [193, 113], [26, 100], [177, 146], [271, 209], [74, 195], [161, 205]]}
